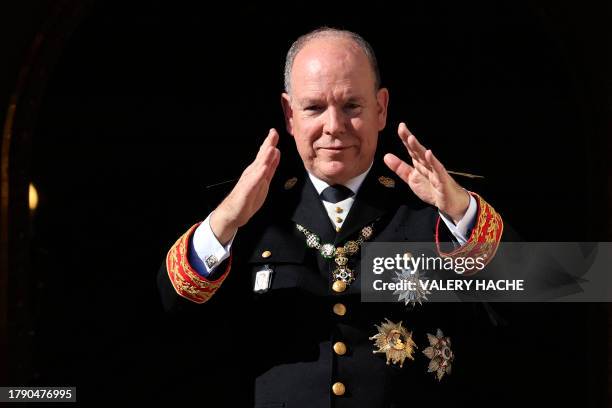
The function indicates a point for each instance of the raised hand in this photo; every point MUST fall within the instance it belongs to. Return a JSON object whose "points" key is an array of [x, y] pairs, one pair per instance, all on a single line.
{"points": [[428, 178], [249, 193]]}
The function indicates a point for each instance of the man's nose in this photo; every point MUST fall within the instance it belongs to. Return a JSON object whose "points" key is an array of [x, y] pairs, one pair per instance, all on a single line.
{"points": [[334, 122]]}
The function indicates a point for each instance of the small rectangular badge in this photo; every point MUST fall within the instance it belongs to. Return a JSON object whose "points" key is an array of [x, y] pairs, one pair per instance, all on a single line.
{"points": [[263, 279]]}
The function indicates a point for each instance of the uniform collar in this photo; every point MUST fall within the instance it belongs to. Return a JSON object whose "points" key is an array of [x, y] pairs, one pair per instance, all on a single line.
{"points": [[372, 201], [354, 184]]}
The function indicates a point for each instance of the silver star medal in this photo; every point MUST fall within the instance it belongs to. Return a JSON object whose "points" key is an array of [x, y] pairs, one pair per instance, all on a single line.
{"points": [[412, 280], [440, 354]]}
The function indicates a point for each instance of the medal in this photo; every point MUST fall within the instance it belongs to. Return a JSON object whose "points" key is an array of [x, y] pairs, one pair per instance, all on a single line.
{"points": [[395, 341], [342, 274], [440, 354], [415, 292]]}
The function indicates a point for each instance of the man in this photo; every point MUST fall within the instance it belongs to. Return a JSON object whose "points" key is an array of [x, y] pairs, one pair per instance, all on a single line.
{"points": [[286, 327]]}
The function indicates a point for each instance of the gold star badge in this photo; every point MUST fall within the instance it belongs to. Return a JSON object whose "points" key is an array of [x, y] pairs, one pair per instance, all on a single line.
{"points": [[290, 183], [395, 341], [386, 181]]}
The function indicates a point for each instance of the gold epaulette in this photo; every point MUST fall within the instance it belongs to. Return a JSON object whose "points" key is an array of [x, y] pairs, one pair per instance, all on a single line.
{"points": [[185, 280]]}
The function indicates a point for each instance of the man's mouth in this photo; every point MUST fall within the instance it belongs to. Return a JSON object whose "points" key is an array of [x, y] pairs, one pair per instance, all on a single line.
{"points": [[334, 148]]}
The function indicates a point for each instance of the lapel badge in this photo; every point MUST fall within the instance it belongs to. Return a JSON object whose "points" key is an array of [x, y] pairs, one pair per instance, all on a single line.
{"points": [[386, 181], [263, 279], [440, 354], [290, 183], [395, 341]]}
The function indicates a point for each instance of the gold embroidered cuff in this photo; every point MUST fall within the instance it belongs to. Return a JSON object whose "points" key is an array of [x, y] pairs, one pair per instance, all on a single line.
{"points": [[185, 280], [484, 239]]}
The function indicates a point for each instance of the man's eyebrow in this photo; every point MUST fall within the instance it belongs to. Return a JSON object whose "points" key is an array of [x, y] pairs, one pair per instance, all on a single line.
{"points": [[314, 100], [355, 99], [308, 101]]}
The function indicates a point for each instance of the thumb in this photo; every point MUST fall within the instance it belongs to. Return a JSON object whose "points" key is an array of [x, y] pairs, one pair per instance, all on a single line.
{"points": [[398, 166]]}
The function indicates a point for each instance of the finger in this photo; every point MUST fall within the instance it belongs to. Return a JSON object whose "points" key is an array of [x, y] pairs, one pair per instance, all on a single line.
{"points": [[271, 168], [273, 137], [404, 133], [263, 152], [268, 156], [398, 166], [270, 140], [271, 161], [412, 144], [266, 164], [416, 149], [263, 163], [424, 171], [257, 177], [439, 173]]}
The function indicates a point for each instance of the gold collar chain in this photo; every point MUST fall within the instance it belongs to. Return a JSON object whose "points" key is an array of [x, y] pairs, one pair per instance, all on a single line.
{"points": [[342, 274]]}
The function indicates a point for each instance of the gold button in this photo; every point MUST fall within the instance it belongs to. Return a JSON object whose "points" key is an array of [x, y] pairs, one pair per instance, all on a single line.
{"points": [[338, 388], [338, 229], [266, 254], [339, 210], [338, 219], [339, 286], [339, 309], [340, 348]]}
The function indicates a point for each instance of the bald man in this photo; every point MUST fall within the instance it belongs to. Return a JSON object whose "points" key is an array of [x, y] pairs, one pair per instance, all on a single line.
{"points": [[286, 327]]}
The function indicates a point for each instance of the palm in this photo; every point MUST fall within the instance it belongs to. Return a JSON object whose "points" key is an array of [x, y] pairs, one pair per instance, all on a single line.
{"points": [[251, 190], [253, 197], [422, 187], [427, 177]]}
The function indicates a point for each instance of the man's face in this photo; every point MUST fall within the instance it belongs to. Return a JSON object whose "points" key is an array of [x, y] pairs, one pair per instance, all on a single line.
{"points": [[334, 111]]}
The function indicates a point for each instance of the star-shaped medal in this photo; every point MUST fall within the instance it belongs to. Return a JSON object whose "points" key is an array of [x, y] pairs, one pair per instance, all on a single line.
{"points": [[395, 341]]}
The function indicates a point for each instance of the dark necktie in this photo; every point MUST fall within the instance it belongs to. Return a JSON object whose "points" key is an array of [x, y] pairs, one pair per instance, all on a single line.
{"points": [[335, 193]]}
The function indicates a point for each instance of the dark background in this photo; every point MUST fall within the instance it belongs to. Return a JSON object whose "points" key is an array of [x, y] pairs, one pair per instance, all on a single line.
{"points": [[148, 102]]}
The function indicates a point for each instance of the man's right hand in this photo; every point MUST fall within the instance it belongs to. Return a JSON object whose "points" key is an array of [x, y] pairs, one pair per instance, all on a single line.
{"points": [[249, 194]]}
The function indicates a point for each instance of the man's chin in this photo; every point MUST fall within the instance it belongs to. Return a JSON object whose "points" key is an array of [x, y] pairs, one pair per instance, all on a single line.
{"points": [[335, 172]]}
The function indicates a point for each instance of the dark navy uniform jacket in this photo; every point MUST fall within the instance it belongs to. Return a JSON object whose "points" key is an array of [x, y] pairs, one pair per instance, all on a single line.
{"points": [[275, 349]]}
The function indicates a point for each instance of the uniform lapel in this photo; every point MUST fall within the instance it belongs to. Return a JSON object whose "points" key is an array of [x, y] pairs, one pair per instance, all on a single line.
{"points": [[310, 212], [372, 202]]}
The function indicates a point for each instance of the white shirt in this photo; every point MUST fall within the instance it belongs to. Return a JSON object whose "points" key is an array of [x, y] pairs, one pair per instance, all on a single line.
{"points": [[337, 212], [205, 244]]}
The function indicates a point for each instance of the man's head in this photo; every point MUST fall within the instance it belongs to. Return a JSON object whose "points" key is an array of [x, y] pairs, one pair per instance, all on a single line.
{"points": [[333, 105]]}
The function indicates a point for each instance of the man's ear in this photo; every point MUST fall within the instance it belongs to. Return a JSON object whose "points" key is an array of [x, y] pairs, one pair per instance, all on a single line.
{"points": [[286, 102], [382, 101]]}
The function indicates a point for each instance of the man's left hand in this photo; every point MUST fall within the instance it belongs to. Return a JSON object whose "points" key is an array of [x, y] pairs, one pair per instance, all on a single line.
{"points": [[428, 178]]}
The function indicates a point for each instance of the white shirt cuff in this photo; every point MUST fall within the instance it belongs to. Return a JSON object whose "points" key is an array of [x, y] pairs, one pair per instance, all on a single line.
{"points": [[208, 248], [465, 225]]}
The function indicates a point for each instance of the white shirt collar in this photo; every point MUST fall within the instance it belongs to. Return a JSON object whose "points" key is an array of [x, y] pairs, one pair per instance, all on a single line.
{"points": [[354, 184]]}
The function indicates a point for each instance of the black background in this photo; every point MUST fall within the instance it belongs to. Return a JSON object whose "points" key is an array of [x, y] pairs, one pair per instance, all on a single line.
{"points": [[152, 101]]}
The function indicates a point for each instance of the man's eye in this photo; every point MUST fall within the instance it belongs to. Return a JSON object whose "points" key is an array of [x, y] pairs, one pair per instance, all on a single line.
{"points": [[313, 108], [352, 106]]}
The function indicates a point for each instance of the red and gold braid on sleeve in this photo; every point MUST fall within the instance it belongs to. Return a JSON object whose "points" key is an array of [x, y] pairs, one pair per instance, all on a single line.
{"points": [[484, 239], [185, 280]]}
